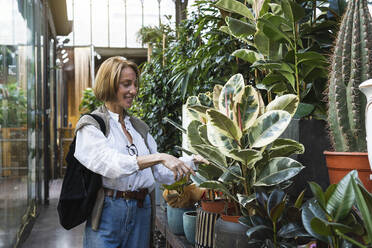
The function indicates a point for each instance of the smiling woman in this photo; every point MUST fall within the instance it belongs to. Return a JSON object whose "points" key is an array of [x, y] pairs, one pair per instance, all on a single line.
{"points": [[126, 157]]}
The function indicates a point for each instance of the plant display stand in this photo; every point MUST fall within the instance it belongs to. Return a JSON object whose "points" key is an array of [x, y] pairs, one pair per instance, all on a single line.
{"points": [[172, 240]]}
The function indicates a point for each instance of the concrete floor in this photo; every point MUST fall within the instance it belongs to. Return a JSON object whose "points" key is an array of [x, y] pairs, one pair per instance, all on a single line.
{"points": [[47, 232]]}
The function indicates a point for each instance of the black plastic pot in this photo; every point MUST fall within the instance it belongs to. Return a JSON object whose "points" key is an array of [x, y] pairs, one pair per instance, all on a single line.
{"points": [[314, 136]]}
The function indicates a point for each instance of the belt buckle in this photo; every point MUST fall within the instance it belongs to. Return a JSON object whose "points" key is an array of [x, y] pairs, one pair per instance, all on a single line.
{"points": [[124, 195]]}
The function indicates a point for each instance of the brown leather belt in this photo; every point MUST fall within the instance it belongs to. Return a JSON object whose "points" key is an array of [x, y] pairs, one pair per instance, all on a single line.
{"points": [[139, 195]]}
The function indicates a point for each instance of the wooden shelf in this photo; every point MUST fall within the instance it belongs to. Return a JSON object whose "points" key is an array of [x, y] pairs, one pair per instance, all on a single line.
{"points": [[172, 240]]}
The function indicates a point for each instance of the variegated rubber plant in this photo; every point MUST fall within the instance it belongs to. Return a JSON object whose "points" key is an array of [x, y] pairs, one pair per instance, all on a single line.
{"points": [[239, 135]]}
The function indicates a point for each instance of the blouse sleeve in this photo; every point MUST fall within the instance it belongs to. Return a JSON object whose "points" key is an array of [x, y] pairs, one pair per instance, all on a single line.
{"points": [[161, 173], [93, 151]]}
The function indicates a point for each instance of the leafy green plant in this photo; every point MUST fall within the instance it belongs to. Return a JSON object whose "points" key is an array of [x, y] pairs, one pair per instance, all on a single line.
{"points": [[287, 42], [240, 137], [342, 215], [351, 65], [89, 101], [276, 222], [13, 105], [195, 57]]}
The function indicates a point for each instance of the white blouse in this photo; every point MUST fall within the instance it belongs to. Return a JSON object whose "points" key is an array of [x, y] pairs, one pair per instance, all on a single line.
{"points": [[109, 157]]}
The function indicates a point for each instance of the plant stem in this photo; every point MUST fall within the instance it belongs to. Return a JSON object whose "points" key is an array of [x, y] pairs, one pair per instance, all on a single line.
{"points": [[244, 170], [295, 25], [343, 236]]}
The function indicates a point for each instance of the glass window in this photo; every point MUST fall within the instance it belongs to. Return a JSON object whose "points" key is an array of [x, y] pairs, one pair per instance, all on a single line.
{"points": [[134, 22], [117, 23], [82, 22], [100, 26]]}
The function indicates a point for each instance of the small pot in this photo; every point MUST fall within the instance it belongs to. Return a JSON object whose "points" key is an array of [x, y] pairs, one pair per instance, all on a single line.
{"points": [[175, 219], [215, 206], [189, 223]]}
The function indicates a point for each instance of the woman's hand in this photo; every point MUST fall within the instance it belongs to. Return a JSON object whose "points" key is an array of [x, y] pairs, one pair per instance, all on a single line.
{"points": [[178, 167], [197, 159]]}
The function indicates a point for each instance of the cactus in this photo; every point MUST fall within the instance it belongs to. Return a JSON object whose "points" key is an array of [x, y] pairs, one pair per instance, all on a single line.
{"points": [[351, 65]]}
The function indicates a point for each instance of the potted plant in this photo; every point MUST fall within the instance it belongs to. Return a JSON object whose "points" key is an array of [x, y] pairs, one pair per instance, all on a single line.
{"points": [[286, 44], [239, 136], [181, 197], [342, 215], [277, 221], [351, 65]]}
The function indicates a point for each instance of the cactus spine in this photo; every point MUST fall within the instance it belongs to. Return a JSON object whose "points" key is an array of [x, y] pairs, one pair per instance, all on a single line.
{"points": [[351, 65]]}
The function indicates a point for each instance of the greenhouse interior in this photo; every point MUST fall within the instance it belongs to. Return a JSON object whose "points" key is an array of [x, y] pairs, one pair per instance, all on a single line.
{"points": [[185, 123]]}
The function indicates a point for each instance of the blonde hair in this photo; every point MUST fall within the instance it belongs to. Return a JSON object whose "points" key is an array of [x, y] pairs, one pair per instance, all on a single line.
{"points": [[108, 75]]}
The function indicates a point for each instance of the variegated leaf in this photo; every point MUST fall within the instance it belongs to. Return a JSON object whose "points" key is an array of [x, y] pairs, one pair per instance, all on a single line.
{"points": [[247, 108], [203, 134], [216, 94], [277, 171], [232, 88], [223, 125], [288, 102], [247, 156], [223, 143], [268, 127]]}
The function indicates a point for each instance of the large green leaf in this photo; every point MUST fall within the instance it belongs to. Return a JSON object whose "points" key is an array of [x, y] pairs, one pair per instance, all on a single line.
{"points": [[247, 108], [244, 200], [222, 142], [230, 90], [285, 148], [320, 227], [248, 55], [266, 46], [209, 171], [303, 109], [292, 11], [193, 133], [248, 157], [212, 154], [292, 231], [216, 94], [217, 186], [235, 7], [342, 199], [311, 57], [310, 210], [277, 171], [240, 29], [268, 127], [229, 176], [223, 125], [318, 193], [364, 203], [271, 28], [203, 134], [287, 103]]}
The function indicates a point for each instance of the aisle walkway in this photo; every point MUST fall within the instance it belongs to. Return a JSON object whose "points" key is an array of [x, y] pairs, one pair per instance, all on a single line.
{"points": [[47, 232]]}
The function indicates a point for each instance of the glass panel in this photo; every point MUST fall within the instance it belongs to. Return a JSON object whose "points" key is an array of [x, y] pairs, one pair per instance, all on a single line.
{"points": [[82, 22], [117, 23], [16, 80], [134, 18], [100, 23], [151, 13]]}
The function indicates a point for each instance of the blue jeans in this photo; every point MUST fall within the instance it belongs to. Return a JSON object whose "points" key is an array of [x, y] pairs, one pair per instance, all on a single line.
{"points": [[123, 225]]}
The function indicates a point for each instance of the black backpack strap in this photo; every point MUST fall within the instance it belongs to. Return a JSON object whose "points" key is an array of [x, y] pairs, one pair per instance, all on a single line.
{"points": [[100, 122]]}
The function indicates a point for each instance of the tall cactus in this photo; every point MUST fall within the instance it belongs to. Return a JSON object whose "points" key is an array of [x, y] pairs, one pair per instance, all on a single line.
{"points": [[351, 65]]}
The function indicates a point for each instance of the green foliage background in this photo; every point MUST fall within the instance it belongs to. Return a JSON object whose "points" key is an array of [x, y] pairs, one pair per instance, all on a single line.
{"points": [[196, 57]]}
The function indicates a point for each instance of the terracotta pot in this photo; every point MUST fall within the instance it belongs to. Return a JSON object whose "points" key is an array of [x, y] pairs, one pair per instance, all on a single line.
{"points": [[230, 218], [341, 163], [216, 206]]}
